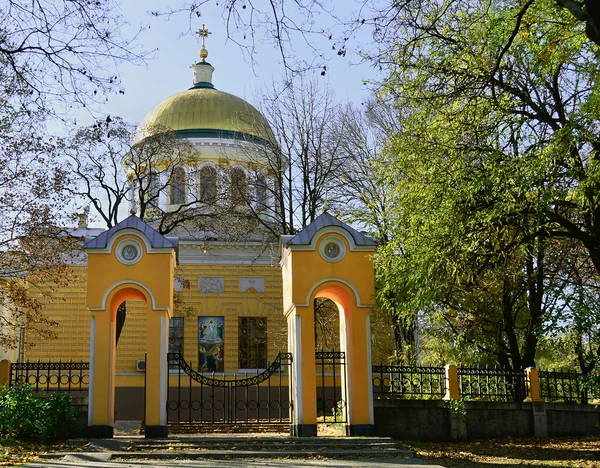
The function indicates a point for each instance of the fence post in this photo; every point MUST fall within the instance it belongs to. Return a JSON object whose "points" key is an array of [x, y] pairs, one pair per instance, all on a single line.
{"points": [[5, 368], [452, 392], [533, 385], [457, 415], [540, 419]]}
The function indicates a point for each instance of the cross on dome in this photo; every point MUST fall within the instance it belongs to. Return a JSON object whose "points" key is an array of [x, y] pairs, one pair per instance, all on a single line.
{"points": [[203, 33]]}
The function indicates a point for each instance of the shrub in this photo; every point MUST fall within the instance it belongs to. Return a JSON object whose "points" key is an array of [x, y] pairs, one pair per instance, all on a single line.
{"points": [[29, 416]]}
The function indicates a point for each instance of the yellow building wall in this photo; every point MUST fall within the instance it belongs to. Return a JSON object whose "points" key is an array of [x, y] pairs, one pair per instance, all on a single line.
{"points": [[73, 330], [67, 307], [233, 304]]}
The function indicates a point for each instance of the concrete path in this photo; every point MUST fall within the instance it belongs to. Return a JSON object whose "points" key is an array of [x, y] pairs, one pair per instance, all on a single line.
{"points": [[363, 463], [227, 451]]}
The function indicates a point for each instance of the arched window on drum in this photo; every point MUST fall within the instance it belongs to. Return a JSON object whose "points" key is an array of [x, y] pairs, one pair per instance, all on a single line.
{"points": [[260, 189], [153, 190], [208, 184], [238, 186], [178, 184]]}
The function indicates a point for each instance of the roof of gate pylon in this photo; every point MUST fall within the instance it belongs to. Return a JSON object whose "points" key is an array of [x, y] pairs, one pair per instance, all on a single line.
{"points": [[156, 239], [305, 236]]}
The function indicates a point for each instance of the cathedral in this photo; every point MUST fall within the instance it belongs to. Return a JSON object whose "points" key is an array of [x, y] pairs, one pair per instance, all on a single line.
{"points": [[228, 315]]}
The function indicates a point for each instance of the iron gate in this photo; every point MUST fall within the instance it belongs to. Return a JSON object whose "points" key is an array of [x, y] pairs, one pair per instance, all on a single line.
{"points": [[331, 387], [262, 398]]}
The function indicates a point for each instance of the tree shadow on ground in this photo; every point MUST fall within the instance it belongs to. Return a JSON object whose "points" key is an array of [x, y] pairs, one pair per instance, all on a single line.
{"points": [[508, 452]]}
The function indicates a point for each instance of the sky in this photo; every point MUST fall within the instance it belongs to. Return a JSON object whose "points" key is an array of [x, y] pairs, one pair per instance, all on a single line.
{"points": [[177, 48]]}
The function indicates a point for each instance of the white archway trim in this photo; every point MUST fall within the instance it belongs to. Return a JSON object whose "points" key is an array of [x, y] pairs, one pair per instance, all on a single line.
{"points": [[119, 283], [237, 165], [92, 369], [132, 232], [328, 230], [328, 280], [212, 164], [298, 370], [370, 369], [346, 374], [164, 377]]}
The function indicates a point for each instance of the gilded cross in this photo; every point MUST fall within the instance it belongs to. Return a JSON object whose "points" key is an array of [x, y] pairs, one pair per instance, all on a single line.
{"points": [[203, 33]]}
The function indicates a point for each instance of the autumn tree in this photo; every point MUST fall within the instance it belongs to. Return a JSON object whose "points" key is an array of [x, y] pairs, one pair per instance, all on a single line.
{"points": [[113, 170], [303, 161], [33, 244], [59, 54], [55, 55]]}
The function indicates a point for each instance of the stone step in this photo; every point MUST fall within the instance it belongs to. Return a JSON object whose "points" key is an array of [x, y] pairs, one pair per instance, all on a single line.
{"points": [[257, 446], [204, 428], [231, 454], [258, 437], [224, 447], [264, 440]]}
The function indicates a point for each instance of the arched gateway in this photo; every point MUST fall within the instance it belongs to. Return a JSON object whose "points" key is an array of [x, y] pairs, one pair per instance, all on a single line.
{"points": [[129, 262], [327, 259], [331, 260]]}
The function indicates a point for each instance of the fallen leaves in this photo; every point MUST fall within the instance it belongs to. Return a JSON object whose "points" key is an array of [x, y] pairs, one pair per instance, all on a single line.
{"points": [[14, 452], [571, 452]]}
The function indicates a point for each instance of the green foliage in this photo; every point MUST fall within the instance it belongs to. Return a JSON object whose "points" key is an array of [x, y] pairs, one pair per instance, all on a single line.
{"points": [[457, 409], [591, 384], [495, 175], [28, 416]]}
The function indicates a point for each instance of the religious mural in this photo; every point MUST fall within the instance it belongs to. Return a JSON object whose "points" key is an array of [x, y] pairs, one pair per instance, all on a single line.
{"points": [[210, 344]]}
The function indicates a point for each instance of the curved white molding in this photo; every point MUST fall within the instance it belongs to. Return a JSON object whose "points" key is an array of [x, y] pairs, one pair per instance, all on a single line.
{"points": [[237, 165], [212, 164], [328, 230], [134, 232], [119, 283]]}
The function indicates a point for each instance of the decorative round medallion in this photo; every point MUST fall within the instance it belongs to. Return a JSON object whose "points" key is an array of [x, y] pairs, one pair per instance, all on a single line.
{"points": [[128, 251], [332, 249]]}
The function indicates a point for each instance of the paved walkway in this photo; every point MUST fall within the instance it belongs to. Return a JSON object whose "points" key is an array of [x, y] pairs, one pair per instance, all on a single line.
{"points": [[381, 463], [231, 451]]}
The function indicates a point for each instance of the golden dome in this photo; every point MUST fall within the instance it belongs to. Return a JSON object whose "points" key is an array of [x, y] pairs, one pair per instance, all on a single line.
{"points": [[205, 112]]}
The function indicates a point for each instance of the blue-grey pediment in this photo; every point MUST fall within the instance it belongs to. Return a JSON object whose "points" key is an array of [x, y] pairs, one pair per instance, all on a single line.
{"points": [[325, 220], [156, 239]]}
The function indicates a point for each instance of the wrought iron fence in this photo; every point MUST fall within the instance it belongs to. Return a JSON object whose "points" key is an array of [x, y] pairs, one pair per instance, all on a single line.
{"points": [[51, 376], [409, 382], [562, 387], [487, 384]]}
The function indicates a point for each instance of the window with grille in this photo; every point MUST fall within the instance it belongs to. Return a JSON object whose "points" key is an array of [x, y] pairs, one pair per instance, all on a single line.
{"points": [[252, 338], [208, 184], [178, 186], [175, 338]]}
